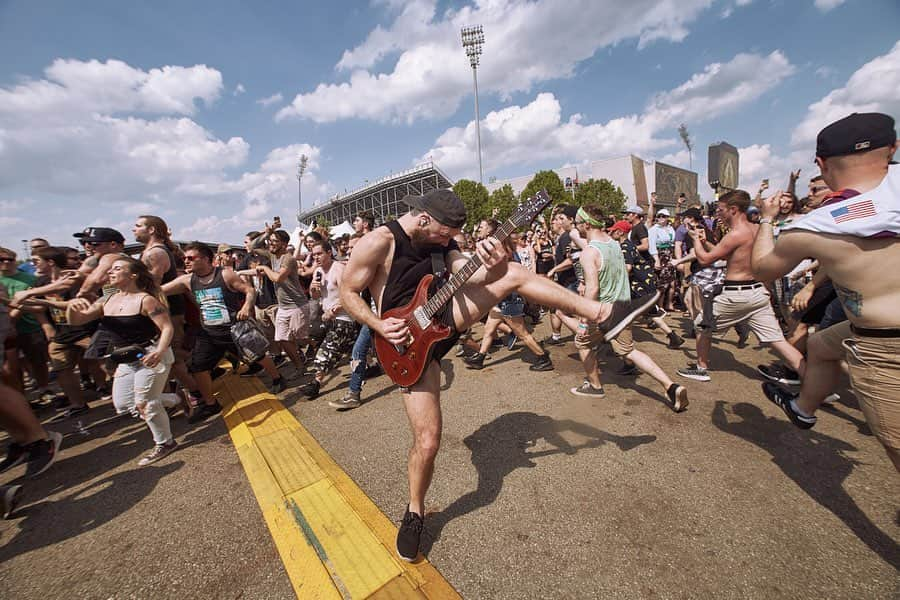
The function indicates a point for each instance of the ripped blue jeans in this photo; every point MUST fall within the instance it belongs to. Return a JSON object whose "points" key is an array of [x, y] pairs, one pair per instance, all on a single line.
{"points": [[358, 359]]}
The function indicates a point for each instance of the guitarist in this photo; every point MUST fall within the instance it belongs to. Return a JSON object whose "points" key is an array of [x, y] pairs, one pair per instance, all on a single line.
{"points": [[390, 262]]}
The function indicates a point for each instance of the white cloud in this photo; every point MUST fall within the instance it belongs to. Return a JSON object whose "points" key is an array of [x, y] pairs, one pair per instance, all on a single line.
{"points": [[826, 5], [270, 100], [874, 87], [84, 143], [240, 89], [537, 132], [431, 75], [824, 72], [758, 162]]}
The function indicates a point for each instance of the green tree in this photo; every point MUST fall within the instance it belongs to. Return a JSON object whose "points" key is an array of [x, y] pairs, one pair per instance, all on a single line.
{"points": [[475, 198], [601, 191], [547, 180], [504, 201]]}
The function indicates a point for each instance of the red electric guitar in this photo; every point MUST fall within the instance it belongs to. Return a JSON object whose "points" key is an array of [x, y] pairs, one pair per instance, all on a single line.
{"points": [[404, 363]]}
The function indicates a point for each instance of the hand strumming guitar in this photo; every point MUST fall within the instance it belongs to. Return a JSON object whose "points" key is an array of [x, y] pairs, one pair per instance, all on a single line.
{"points": [[394, 330]]}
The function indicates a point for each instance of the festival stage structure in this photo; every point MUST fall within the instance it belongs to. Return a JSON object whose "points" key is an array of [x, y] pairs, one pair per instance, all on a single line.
{"points": [[383, 198]]}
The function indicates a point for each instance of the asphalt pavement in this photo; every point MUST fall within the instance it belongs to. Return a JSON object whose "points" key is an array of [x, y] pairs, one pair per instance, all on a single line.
{"points": [[537, 493]]}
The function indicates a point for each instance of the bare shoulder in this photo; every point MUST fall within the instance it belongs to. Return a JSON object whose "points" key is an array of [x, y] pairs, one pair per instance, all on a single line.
{"points": [[373, 247]]}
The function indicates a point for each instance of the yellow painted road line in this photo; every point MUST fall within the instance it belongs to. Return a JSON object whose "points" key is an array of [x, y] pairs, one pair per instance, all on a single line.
{"points": [[333, 540]]}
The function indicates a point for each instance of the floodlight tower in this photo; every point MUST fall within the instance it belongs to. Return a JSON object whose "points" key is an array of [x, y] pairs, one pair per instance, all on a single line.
{"points": [[472, 40], [301, 169]]}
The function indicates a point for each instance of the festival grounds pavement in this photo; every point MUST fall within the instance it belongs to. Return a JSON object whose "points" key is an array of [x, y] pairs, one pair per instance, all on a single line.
{"points": [[537, 494]]}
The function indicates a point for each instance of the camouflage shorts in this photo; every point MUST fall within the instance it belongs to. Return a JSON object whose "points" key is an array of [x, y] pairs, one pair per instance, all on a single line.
{"points": [[339, 339]]}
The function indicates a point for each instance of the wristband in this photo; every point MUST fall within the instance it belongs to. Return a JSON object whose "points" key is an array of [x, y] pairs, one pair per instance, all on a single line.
{"points": [[765, 221]]}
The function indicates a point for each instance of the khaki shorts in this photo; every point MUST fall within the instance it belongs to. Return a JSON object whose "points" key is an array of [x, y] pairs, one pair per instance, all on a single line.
{"points": [[874, 364], [623, 345], [64, 357], [292, 324], [751, 305]]}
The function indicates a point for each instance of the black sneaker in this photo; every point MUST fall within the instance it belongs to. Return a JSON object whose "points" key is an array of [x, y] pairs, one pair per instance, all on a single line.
{"points": [[204, 411], [627, 370], [71, 412], [677, 395], [217, 372], [253, 369], [409, 535], [624, 312], [675, 341], [15, 454], [694, 372], [278, 360], [311, 389], [552, 341], [779, 374], [586, 389], [350, 400], [9, 499], [60, 402], [782, 398], [278, 385], [543, 363], [475, 361], [42, 453]]}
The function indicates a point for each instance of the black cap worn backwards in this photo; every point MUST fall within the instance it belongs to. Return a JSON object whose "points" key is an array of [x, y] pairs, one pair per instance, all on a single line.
{"points": [[99, 234], [443, 205], [860, 132]]}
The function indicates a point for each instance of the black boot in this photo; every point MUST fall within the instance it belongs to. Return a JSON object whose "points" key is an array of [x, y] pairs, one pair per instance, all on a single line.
{"points": [[675, 340], [543, 363]]}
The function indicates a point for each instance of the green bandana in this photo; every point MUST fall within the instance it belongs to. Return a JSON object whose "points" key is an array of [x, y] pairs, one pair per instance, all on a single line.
{"points": [[588, 218]]}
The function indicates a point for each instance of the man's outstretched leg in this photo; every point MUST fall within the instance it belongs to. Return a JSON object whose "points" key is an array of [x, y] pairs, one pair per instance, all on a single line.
{"points": [[423, 408]]}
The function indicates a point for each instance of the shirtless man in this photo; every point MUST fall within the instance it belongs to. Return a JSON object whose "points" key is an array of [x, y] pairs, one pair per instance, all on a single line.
{"points": [[859, 255], [392, 260], [743, 297]]}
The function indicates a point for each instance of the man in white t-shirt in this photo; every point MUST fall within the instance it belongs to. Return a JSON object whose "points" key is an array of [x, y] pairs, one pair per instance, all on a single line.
{"points": [[340, 329]]}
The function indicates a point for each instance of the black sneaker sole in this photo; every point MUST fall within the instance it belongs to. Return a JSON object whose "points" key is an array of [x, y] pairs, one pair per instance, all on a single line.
{"points": [[681, 399], [56, 439], [627, 320]]}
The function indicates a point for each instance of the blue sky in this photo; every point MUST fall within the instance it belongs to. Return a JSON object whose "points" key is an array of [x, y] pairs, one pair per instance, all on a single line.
{"points": [[197, 111]]}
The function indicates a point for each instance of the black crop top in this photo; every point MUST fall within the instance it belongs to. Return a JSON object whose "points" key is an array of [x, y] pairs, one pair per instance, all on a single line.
{"points": [[129, 329]]}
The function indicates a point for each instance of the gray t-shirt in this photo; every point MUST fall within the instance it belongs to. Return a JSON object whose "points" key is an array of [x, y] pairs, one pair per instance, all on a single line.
{"points": [[289, 292]]}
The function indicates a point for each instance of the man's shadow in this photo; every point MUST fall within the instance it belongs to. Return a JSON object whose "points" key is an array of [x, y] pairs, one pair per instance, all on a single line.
{"points": [[50, 522], [819, 468], [502, 446]]}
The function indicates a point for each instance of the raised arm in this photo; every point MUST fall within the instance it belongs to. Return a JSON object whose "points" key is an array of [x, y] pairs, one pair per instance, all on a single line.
{"points": [[179, 285]]}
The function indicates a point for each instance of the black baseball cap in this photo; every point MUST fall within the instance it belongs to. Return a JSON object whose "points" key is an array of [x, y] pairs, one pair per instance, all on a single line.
{"points": [[859, 132], [99, 234], [443, 205]]}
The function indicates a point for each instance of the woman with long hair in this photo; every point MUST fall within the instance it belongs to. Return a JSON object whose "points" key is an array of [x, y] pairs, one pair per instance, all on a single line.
{"points": [[136, 317]]}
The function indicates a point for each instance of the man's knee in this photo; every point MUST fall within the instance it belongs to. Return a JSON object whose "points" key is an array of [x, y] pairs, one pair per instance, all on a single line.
{"points": [[428, 442]]}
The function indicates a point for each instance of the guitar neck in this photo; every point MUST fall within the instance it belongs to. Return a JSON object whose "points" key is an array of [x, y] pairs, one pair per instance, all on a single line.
{"points": [[456, 281]]}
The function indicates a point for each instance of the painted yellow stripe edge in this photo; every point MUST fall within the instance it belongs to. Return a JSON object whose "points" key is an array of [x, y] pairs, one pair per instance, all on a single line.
{"points": [[305, 569]]}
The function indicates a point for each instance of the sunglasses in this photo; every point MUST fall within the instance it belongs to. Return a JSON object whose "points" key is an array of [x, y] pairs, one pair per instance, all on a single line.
{"points": [[190, 258], [816, 190]]}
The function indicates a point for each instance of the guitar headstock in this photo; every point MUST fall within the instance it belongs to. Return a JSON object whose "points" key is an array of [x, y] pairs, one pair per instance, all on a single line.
{"points": [[530, 208]]}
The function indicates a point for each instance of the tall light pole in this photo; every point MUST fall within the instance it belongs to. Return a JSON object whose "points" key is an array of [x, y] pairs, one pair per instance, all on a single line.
{"points": [[301, 169], [472, 40]]}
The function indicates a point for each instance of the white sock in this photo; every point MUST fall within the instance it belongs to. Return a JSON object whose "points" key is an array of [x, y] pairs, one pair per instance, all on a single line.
{"points": [[556, 336]]}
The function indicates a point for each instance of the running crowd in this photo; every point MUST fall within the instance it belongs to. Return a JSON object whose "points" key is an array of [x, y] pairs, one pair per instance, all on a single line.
{"points": [[148, 324]]}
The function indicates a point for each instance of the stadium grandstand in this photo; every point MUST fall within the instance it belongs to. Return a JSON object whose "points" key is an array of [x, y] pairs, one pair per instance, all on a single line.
{"points": [[383, 198]]}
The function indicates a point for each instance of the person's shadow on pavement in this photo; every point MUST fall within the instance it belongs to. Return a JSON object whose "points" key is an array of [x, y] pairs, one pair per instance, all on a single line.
{"points": [[50, 522], [819, 469], [502, 446]]}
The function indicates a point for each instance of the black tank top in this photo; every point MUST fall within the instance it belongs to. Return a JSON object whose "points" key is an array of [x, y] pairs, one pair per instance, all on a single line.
{"points": [[218, 304], [410, 264], [176, 302], [129, 329]]}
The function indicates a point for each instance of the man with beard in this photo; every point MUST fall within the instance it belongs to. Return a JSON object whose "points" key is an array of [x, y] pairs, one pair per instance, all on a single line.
{"points": [[392, 260]]}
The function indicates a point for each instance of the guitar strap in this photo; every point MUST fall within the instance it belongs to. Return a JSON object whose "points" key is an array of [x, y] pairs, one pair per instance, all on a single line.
{"points": [[438, 266]]}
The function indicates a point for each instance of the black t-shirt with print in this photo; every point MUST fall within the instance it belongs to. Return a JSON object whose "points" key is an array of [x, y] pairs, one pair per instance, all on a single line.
{"points": [[642, 276]]}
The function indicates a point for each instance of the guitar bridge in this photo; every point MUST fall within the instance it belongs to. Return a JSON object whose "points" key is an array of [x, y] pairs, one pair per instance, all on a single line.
{"points": [[423, 320]]}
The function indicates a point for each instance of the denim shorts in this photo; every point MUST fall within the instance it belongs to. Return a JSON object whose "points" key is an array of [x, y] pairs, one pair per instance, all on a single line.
{"points": [[512, 306]]}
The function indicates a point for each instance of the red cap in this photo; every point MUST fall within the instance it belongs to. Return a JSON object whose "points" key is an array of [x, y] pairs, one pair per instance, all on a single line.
{"points": [[623, 226]]}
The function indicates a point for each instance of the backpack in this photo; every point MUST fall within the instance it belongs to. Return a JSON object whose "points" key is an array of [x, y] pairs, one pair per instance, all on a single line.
{"points": [[251, 342]]}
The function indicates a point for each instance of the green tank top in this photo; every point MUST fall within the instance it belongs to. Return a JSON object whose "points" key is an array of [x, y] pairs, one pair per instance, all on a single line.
{"points": [[613, 278]]}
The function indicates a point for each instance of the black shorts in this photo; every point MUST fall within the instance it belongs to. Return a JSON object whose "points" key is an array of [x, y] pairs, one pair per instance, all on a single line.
{"points": [[209, 348], [445, 317]]}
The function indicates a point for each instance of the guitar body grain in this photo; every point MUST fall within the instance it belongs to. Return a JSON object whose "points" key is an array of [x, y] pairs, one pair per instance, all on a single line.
{"points": [[406, 369]]}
